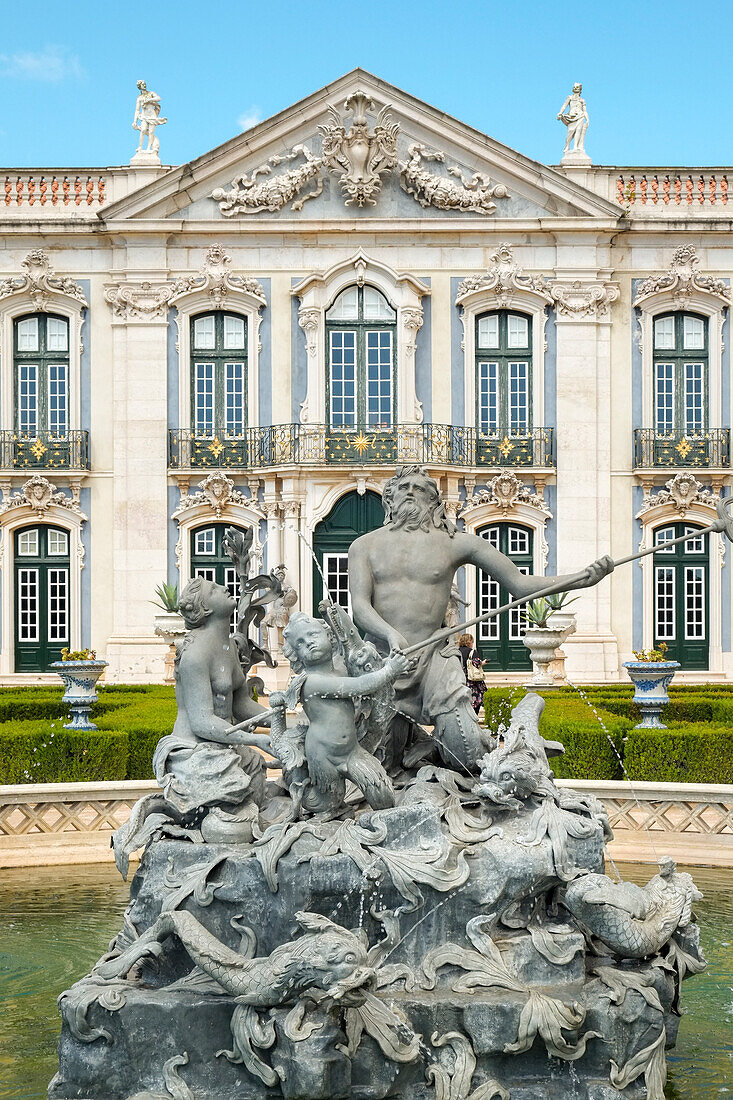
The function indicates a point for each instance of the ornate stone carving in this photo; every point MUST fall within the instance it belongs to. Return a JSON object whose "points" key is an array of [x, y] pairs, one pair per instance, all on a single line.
{"points": [[412, 319], [360, 156], [503, 277], [40, 282], [430, 189], [217, 280], [39, 495], [682, 492], [506, 491], [682, 280], [143, 301], [309, 320], [217, 492], [579, 299]]}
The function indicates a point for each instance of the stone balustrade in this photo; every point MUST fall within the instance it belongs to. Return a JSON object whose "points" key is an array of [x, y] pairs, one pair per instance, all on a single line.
{"points": [[45, 191], [50, 823]]}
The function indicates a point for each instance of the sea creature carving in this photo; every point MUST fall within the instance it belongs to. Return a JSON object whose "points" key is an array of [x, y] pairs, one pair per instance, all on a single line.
{"points": [[430, 189], [633, 921], [251, 195]]}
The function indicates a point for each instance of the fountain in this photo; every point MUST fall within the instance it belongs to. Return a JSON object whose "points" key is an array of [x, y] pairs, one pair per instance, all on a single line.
{"points": [[403, 907]]}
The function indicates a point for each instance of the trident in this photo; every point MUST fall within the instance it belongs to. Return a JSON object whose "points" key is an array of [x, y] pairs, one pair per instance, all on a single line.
{"points": [[722, 525]]}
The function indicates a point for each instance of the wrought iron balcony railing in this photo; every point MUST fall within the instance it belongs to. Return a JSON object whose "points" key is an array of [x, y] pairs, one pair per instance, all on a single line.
{"points": [[303, 444], [668, 449], [44, 451]]}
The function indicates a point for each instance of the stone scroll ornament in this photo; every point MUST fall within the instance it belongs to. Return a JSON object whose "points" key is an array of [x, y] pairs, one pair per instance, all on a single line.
{"points": [[359, 158], [369, 918]]}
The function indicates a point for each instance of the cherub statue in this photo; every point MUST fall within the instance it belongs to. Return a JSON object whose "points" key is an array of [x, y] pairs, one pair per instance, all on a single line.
{"points": [[324, 754]]}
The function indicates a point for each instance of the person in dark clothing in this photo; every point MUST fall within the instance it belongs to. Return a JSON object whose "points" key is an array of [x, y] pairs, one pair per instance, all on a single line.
{"points": [[472, 670]]}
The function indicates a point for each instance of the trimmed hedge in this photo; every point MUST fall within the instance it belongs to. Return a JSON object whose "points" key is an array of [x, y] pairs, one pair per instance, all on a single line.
{"points": [[681, 754], [35, 747]]}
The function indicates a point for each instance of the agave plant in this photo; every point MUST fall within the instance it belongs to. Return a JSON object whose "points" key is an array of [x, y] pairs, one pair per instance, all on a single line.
{"points": [[167, 597], [538, 612], [558, 600]]}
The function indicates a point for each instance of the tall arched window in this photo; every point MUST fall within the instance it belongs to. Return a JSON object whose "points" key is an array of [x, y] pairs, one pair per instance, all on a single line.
{"points": [[500, 639], [681, 600], [41, 362], [503, 374], [680, 375], [219, 375], [42, 605], [360, 345]]}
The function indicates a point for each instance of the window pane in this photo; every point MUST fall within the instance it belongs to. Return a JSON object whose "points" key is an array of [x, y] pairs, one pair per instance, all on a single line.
{"points": [[203, 332], [28, 543], [336, 574], [664, 603], [57, 334], [518, 540], [488, 331], [518, 616], [205, 542], [488, 598], [488, 398], [57, 399], [343, 379], [207, 573], [379, 379], [517, 331], [346, 306], [664, 333], [664, 397], [695, 545], [376, 306], [693, 333], [234, 398], [492, 536], [28, 334], [204, 398], [28, 398], [28, 611], [695, 603], [233, 332], [518, 398], [694, 420], [58, 605], [662, 536], [58, 543]]}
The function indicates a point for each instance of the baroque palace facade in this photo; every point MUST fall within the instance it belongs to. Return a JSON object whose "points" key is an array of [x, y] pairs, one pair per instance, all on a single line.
{"points": [[260, 336]]}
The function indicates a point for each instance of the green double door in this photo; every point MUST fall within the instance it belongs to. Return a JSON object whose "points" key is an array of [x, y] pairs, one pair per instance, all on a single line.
{"points": [[500, 639], [681, 595], [352, 516], [42, 597]]}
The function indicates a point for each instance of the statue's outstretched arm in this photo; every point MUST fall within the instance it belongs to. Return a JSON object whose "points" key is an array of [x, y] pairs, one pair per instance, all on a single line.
{"points": [[479, 551], [339, 687]]}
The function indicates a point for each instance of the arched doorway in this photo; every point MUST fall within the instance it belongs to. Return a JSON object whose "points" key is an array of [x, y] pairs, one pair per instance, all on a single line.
{"points": [[681, 595], [351, 516], [42, 598], [500, 639]]}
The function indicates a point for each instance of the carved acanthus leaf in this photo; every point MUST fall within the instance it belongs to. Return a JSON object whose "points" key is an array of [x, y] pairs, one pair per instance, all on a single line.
{"points": [[506, 491], [682, 492], [217, 281], [579, 299], [503, 277], [40, 282], [359, 156], [682, 280], [144, 301], [39, 495]]}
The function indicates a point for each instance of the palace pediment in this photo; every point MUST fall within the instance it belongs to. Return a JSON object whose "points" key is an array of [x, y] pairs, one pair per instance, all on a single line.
{"points": [[361, 149]]}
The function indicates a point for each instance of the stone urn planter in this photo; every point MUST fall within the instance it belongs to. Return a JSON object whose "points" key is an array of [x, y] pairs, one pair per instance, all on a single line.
{"points": [[80, 683], [169, 625], [542, 641], [567, 623], [651, 680]]}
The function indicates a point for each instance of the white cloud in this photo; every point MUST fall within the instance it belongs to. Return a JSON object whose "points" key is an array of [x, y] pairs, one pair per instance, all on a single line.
{"points": [[50, 65], [249, 118]]}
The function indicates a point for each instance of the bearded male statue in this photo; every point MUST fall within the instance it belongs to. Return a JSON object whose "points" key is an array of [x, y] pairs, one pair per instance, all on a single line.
{"points": [[400, 579]]}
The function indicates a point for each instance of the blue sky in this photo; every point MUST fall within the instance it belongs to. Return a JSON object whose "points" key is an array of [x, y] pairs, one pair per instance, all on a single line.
{"points": [[655, 75]]}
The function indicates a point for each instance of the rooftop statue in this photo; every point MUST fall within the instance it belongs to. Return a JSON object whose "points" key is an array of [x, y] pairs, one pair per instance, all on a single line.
{"points": [[574, 115], [400, 577], [146, 119]]}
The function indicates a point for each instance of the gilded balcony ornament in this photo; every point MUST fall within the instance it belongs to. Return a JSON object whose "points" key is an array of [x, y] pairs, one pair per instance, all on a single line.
{"points": [[216, 447], [506, 446], [38, 449], [361, 443]]}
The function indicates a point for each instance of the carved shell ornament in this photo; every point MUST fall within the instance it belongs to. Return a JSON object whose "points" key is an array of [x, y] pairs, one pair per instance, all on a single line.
{"points": [[359, 157]]}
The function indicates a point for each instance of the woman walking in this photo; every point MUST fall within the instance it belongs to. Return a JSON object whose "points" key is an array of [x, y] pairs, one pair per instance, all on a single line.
{"points": [[473, 670]]}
